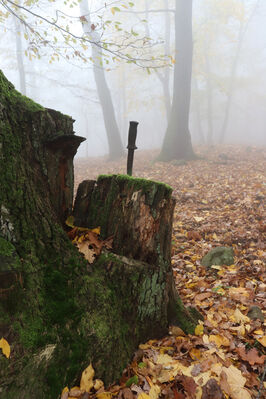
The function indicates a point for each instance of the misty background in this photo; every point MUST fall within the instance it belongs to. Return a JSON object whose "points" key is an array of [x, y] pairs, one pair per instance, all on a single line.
{"points": [[228, 88]]}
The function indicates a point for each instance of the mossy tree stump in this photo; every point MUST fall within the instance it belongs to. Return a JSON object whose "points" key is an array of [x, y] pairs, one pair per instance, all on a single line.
{"points": [[57, 312]]}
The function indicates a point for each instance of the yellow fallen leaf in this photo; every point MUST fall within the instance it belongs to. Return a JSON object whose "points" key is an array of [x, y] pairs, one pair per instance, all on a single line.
{"points": [[199, 329], [164, 359], [143, 396], [211, 320], [195, 354], [97, 230], [219, 340], [144, 346], [216, 267], [198, 393], [198, 218], [164, 349], [154, 392], [86, 382], [239, 317], [64, 393], [262, 340], [202, 378], [98, 384], [240, 330], [4, 345], [236, 383], [104, 395], [258, 332], [205, 339]]}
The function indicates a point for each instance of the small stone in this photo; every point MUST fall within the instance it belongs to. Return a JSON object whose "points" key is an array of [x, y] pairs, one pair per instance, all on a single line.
{"points": [[218, 256], [255, 313]]}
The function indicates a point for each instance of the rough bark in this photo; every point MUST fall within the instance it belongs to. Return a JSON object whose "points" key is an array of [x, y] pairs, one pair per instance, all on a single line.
{"points": [[177, 140], [57, 312], [138, 214]]}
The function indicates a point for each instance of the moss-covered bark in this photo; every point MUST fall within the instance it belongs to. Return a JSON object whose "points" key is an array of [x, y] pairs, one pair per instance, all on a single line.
{"points": [[57, 312]]}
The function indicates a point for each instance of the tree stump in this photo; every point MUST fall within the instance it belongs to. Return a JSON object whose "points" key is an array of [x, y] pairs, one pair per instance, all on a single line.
{"points": [[57, 312]]}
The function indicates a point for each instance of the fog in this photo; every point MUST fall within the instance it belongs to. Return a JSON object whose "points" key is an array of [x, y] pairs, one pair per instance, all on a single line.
{"points": [[228, 84]]}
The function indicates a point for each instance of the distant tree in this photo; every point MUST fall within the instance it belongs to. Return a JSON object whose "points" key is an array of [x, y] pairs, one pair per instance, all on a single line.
{"points": [[111, 126], [177, 141], [19, 56]]}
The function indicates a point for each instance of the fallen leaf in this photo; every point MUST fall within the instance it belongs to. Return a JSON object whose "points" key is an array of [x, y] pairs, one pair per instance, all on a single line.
{"points": [[89, 253], [199, 329], [219, 340], [105, 395], [201, 297], [198, 218], [195, 354], [143, 396], [176, 331], [4, 345], [132, 380], [189, 385], [239, 317], [252, 356], [98, 384], [233, 383], [64, 394], [262, 340], [86, 382], [211, 390], [154, 392], [75, 392]]}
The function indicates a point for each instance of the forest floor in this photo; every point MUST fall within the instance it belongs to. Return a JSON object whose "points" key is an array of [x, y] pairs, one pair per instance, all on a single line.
{"points": [[220, 202]]}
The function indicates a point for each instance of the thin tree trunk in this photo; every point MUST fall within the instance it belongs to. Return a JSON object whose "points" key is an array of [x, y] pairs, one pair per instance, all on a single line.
{"points": [[209, 98], [19, 56], [177, 141], [241, 35], [166, 85], [164, 75], [111, 127], [197, 111]]}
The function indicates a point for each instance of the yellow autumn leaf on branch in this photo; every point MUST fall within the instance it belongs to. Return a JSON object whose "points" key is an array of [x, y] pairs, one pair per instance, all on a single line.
{"points": [[4, 345]]}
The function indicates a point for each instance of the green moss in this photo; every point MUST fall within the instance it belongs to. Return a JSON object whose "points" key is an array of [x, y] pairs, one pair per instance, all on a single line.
{"points": [[6, 248], [138, 183], [10, 95]]}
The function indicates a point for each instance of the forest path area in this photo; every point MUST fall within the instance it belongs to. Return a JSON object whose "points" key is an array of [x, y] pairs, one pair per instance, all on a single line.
{"points": [[220, 202]]}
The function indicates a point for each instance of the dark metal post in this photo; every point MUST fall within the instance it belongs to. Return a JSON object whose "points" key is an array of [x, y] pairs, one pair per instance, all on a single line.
{"points": [[132, 135]]}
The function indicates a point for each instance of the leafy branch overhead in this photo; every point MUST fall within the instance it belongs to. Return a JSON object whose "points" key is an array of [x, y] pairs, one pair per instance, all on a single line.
{"points": [[57, 32]]}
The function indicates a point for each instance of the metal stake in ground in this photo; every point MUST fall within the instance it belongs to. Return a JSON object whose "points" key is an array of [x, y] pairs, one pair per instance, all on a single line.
{"points": [[132, 135]]}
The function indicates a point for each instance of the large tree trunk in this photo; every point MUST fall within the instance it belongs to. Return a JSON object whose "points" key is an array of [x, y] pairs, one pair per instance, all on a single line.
{"points": [[177, 141], [57, 312]]}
